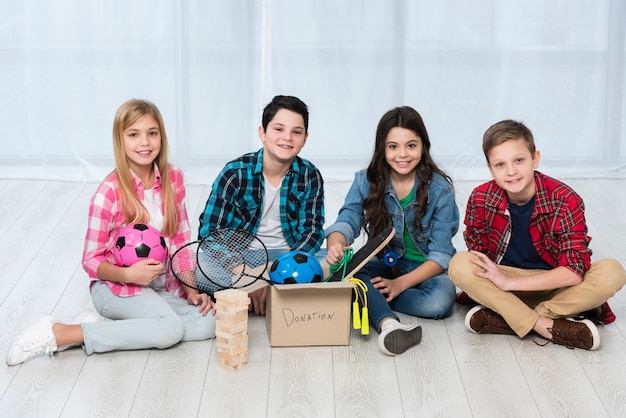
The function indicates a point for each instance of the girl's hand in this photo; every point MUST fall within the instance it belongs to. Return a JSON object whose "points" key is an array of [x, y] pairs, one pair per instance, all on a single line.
{"points": [[143, 272], [389, 288], [489, 270], [202, 301], [334, 253]]}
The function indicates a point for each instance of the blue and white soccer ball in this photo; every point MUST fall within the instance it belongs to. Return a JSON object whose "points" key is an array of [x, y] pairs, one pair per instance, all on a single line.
{"points": [[296, 267]]}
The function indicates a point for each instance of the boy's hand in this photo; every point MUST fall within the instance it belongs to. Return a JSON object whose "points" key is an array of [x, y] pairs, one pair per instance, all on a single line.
{"points": [[257, 301], [202, 301], [489, 270]]}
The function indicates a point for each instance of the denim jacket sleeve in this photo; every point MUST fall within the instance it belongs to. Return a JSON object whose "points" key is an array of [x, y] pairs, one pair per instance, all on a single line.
{"points": [[351, 214]]}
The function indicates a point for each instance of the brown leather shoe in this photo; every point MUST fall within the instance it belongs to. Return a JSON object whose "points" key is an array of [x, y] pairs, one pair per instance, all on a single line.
{"points": [[572, 333], [483, 320]]}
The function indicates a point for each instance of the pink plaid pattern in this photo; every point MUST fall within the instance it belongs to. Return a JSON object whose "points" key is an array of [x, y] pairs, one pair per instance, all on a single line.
{"points": [[106, 218]]}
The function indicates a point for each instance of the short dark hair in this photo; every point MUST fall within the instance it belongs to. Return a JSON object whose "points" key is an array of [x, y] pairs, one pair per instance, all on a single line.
{"points": [[285, 102], [504, 131]]}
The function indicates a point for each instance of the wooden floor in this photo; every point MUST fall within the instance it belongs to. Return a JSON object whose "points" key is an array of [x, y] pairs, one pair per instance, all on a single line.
{"points": [[452, 373]]}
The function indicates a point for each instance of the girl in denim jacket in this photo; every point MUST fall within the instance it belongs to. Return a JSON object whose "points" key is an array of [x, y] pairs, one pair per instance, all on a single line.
{"points": [[403, 188]]}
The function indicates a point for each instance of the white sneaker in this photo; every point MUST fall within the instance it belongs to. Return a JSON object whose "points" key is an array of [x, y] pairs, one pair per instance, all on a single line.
{"points": [[86, 315], [396, 338], [37, 338]]}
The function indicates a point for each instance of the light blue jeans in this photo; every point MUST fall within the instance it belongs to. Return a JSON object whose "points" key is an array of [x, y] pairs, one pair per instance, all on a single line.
{"points": [[152, 319], [433, 298]]}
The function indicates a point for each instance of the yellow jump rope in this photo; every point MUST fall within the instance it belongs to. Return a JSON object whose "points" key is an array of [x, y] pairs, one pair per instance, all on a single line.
{"points": [[360, 317]]}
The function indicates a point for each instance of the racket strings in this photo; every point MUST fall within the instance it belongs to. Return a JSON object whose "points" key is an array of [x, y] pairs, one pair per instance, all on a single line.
{"points": [[184, 266], [220, 261]]}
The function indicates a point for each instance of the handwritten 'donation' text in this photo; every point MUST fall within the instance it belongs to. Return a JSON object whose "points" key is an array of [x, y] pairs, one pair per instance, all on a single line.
{"points": [[292, 318]]}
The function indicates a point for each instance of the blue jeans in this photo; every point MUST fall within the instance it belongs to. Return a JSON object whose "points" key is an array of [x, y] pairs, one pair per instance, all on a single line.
{"points": [[150, 320], [433, 298]]}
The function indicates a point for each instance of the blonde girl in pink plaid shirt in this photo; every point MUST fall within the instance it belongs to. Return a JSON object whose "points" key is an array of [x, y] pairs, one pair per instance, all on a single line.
{"points": [[143, 305]]}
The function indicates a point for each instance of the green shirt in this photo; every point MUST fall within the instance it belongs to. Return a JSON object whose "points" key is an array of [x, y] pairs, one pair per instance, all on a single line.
{"points": [[412, 253]]}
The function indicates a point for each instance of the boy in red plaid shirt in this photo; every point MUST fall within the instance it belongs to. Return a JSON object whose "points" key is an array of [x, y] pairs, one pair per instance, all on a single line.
{"points": [[529, 264]]}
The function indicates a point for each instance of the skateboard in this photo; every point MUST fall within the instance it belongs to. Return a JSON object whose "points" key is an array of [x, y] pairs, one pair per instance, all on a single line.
{"points": [[365, 254]]}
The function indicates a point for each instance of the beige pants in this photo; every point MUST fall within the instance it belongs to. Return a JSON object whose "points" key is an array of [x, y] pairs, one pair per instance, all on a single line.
{"points": [[522, 309]]}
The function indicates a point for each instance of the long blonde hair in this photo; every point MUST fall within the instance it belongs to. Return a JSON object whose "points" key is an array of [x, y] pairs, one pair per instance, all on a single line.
{"points": [[133, 209]]}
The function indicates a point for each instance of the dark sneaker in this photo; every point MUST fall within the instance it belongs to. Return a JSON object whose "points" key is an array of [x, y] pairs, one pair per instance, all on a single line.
{"points": [[399, 338], [600, 315], [483, 320], [575, 334]]}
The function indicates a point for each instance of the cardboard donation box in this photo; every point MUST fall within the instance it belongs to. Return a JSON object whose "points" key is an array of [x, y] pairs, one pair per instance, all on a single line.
{"points": [[309, 314]]}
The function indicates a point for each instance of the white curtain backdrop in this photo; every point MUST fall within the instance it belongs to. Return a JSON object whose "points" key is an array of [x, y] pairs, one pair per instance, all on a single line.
{"points": [[211, 66]]}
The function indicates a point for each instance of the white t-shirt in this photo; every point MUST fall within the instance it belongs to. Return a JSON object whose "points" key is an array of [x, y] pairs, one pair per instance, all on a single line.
{"points": [[270, 231], [156, 220]]}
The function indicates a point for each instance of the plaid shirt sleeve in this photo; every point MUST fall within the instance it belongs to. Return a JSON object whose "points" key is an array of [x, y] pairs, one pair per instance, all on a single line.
{"points": [[559, 230], [183, 234], [305, 208], [474, 233], [103, 219], [486, 224], [233, 187]]}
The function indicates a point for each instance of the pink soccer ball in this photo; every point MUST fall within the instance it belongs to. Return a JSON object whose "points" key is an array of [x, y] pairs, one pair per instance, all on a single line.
{"points": [[138, 241]]}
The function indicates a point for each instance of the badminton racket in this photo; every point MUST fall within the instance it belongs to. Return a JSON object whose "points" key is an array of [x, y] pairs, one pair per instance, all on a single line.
{"points": [[224, 259]]}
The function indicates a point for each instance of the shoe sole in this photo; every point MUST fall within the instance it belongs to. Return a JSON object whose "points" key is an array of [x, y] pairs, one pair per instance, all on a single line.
{"points": [[400, 340], [469, 315]]}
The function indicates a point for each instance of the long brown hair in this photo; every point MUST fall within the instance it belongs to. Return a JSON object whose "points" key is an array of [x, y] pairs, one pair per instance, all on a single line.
{"points": [[133, 209], [377, 217]]}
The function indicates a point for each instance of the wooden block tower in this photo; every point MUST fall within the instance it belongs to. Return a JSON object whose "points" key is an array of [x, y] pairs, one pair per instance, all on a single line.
{"points": [[232, 328]]}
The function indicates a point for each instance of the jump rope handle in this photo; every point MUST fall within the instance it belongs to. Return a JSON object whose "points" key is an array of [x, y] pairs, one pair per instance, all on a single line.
{"points": [[360, 320]]}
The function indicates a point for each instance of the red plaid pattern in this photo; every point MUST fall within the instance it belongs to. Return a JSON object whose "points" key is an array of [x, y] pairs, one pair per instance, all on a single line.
{"points": [[557, 225]]}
